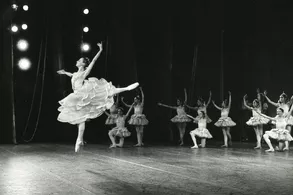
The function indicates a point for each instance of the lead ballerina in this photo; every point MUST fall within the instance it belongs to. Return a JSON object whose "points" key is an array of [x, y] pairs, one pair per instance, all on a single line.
{"points": [[90, 97]]}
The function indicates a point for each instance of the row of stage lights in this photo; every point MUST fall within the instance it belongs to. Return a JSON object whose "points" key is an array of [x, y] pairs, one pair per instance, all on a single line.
{"points": [[22, 44], [85, 47]]}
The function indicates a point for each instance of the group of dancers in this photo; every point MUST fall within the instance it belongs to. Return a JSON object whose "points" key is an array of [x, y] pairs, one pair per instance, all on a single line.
{"points": [[92, 97]]}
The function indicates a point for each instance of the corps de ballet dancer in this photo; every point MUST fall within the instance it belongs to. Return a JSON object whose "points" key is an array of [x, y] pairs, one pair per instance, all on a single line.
{"points": [[138, 119], [90, 97], [225, 121], [285, 105], [280, 133], [202, 132], [112, 116], [201, 106], [181, 119], [120, 130], [256, 121]]}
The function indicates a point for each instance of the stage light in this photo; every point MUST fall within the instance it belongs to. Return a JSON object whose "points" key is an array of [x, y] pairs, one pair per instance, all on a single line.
{"points": [[85, 47], [24, 64], [14, 6], [86, 29], [86, 11], [24, 26], [14, 28], [25, 7], [22, 45]]}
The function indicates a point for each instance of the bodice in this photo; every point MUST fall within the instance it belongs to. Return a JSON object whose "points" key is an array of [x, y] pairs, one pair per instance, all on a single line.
{"points": [[120, 121], [77, 80], [281, 123], [224, 112], [138, 109], [202, 123], [202, 108], [180, 110], [254, 113]]}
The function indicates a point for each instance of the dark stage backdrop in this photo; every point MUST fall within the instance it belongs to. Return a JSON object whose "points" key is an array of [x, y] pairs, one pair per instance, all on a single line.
{"points": [[152, 42]]}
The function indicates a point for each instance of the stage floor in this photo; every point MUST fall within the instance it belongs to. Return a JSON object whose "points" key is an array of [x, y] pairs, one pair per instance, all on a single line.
{"points": [[55, 169]]}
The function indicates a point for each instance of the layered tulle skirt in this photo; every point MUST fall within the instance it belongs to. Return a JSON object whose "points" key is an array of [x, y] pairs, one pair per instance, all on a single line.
{"points": [[225, 122], [138, 119], [111, 120], [121, 132], [181, 119], [202, 133], [279, 134], [87, 102], [257, 120]]}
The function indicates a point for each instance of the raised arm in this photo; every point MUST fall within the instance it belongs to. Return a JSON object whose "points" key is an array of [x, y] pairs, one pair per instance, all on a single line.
{"points": [[129, 110], [230, 100], [268, 99], [210, 98], [142, 96], [125, 104], [259, 98], [89, 68], [219, 108], [191, 117], [245, 104], [185, 97], [166, 106], [192, 108], [263, 115], [64, 72]]}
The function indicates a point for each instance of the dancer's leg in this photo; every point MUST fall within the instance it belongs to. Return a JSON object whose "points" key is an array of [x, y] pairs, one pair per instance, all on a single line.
{"points": [[79, 140]]}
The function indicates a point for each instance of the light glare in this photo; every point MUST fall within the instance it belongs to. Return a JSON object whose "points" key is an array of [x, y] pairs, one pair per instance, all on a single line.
{"points": [[86, 11], [24, 64], [86, 29], [85, 47], [22, 45], [24, 26], [14, 28], [25, 7]]}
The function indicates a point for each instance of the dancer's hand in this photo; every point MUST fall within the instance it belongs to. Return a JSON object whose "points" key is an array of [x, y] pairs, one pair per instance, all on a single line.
{"points": [[100, 45], [229, 92], [210, 93], [160, 104], [265, 93], [244, 97], [61, 71]]}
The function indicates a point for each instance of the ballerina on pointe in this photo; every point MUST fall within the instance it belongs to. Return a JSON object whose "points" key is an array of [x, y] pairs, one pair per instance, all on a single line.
{"points": [[90, 97]]}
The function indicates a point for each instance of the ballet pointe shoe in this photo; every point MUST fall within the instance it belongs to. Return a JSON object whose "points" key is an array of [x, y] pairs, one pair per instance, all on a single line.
{"points": [[113, 146], [78, 145], [285, 149], [138, 145], [194, 147], [132, 86], [224, 146], [270, 150]]}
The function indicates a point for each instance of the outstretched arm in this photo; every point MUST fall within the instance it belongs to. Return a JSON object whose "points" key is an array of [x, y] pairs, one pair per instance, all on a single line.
{"points": [[191, 117], [268, 99], [219, 108], [244, 103], [166, 106], [142, 96], [192, 108], [64, 72], [89, 68], [127, 114], [107, 113], [263, 115], [127, 105], [210, 98], [259, 98]]}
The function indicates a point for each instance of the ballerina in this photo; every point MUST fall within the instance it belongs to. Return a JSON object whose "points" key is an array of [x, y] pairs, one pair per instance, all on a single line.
{"points": [[202, 131], [90, 97], [285, 105], [279, 133], [138, 119], [225, 121], [256, 120], [181, 118], [120, 130], [201, 106], [112, 116]]}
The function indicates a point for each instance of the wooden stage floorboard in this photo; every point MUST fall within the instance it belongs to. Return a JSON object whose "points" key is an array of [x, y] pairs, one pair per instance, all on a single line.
{"points": [[55, 169]]}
